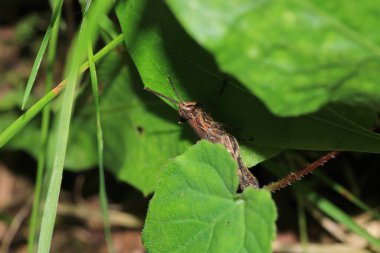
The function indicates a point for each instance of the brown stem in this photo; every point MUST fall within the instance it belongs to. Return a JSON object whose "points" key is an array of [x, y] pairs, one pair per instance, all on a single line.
{"points": [[295, 176]]}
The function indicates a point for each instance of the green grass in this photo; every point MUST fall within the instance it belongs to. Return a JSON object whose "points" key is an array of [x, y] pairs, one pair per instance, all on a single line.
{"points": [[35, 215], [102, 184], [87, 33], [24, 119], [52, 28]]}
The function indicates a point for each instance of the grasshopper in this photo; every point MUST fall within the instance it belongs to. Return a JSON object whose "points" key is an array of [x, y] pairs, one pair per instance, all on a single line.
{"points": [[207, 128]]}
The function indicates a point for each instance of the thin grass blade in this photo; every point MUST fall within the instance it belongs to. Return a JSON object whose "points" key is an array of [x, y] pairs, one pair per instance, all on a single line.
{"points": [[24, 119], [87, 33], [102, 185], [35, 217], [337, 214], [325, 206], [347, 194], [37, 62]]}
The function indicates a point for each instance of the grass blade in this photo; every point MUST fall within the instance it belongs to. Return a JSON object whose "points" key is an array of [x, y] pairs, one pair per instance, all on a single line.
{"points": [[325, 206], [51, 203], [102, 184], [35, 217], [36, 65], [347, 194], [87, 33], [99, 131], [334, 212], [108, 29], [24, 119]]}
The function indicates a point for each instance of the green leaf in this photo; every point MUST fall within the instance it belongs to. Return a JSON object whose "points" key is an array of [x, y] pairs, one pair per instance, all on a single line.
{"points": [[160, 48], [296, 56], [196, 208]]}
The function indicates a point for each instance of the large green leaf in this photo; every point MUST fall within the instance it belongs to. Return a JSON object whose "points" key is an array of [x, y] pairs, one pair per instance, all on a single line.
{"points": [[160, 48], [196, 209], [296, 56]]}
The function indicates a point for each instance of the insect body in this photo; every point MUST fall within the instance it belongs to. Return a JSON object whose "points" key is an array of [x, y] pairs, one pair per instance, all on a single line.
{"points": [[207, 128]]}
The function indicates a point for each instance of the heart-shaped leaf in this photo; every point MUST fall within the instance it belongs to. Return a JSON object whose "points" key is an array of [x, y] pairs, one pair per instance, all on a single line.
{"points": [[196, 209]]}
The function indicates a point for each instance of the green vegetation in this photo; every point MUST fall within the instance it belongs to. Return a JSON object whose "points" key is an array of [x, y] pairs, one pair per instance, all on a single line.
{"points": [[281, 75]]}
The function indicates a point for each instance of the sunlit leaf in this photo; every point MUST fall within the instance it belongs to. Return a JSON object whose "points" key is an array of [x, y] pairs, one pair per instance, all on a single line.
{"points": [[196, 208], [296, 56]]}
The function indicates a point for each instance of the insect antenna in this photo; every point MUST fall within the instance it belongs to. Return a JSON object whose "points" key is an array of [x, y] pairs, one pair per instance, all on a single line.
{"points": [[161, 95], [175, 90]]}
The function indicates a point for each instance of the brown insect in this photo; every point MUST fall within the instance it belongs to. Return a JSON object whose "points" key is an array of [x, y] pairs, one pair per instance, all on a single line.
{"points": [[207, 128]]}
